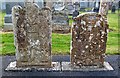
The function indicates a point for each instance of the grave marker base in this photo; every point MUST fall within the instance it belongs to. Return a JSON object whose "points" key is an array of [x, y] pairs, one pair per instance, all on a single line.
{"points": [[8, 27], [59, 66]]}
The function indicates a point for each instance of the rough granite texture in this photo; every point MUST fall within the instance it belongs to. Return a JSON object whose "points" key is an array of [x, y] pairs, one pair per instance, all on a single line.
{"points": [[89, 37], [32, 34]]}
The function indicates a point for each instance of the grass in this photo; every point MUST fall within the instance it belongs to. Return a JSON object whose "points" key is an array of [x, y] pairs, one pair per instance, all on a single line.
{"points": [[112, 43], [114, 35], [113, 21], [2, 14], [61, 42]]}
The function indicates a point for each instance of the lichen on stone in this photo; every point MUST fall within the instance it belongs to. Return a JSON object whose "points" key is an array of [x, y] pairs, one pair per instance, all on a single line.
{"points": [[32, 30], [89, 37]]}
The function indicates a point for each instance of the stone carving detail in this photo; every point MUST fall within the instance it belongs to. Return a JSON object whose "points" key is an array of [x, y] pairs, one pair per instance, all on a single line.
{"points": [[32, 29], [89, 37]]}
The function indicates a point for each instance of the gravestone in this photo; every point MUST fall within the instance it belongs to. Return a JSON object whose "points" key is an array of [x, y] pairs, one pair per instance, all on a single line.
{"points": [[75, 14], [113, 9], [77, 6], [119, 4], [70, 9], [60, 21], [32, 36], [32, 29], [96, 6], [8, 17], [83, 5], [95, 9], [89, 37]]}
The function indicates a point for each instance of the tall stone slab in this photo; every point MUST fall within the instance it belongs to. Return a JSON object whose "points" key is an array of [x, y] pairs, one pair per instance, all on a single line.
{"points": [[32, 34], [89, 37]]}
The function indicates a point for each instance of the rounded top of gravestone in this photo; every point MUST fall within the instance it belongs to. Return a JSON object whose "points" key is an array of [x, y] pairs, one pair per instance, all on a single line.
{"points": [[16, 7], [87, 13]]}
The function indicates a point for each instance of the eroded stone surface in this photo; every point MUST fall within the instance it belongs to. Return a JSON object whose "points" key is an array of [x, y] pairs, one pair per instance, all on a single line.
{"points": [[89, 37], [32, 29]]}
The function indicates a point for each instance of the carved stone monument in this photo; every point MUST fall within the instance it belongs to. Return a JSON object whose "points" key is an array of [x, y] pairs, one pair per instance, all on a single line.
{"points": [[75, 14], [113, 9], [70, 8], [77, 6], [60, 21], [89, 37], [8, 26], [8, 17], [32, 29]]}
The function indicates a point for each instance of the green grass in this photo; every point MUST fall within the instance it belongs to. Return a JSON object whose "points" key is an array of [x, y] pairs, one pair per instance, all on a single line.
{"points": [[61, 42], [112, 43], [113, 21], [7, 44], [114, 35], [2, 14]]}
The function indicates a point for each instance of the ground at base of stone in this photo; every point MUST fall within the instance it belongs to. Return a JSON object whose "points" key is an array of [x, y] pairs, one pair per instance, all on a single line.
{"points": [[59, 66]]}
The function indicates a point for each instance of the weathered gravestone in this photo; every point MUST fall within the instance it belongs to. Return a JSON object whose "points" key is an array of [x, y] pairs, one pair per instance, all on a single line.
{"points": [[113, 9], [8, 17], [32, 29], [75, 14], [89, 37], [77, 6], [70, 8], [60, 21], [96, 6]]}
